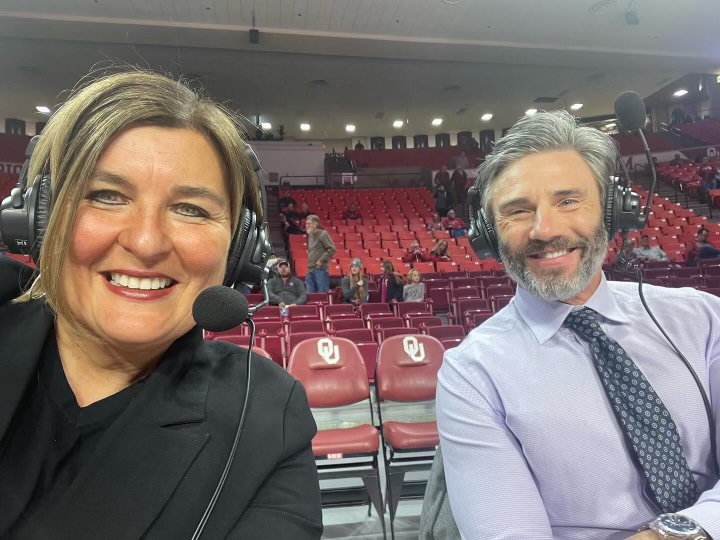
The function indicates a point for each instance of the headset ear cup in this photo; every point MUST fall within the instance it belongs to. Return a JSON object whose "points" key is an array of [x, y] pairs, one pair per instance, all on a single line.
{"points": [[41, 215], [613, 202], [237, 247]]}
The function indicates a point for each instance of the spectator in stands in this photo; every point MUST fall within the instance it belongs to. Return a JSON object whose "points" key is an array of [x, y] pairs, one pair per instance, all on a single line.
{"points": [[707, 175], [320, 251], [391, 283], [285, 289], [354, 286], [352, 212], [677, 160], [442, 178], [285, 200], [304, 211], [415, 254], [359, 146], [439, 252], [647, 253], [461, 162], [459, 184], [627, 255], [436, 224], [443, 200], [702, 249], [414, 289], [290, 226], [455, 225], [116, 414]]}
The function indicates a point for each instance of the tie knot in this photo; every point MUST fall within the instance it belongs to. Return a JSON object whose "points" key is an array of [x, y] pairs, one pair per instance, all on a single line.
{"points": [[584, 323]]}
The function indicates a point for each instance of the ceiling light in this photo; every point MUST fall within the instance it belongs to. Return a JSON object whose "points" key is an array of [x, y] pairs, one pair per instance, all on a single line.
{"points": [[680, 93], [350, 128], [266, 125], [530, 112], [436, 121], [398, 124], [305, 127], [576, 106], [43, 109], [485, 117]]}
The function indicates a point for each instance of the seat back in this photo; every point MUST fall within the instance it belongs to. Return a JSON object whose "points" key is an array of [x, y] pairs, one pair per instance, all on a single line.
{"points": [[331, 370], [407, 368], [367, 309], [294, 339], [446, 331], [305, 326], [416, 321], [405, 308], [303, 312], [356, 335], [346, 323]]}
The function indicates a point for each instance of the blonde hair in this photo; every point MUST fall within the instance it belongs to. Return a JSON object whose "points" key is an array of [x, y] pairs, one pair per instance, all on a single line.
{"points": [[78, 133], [437, 246], [409, 276]]}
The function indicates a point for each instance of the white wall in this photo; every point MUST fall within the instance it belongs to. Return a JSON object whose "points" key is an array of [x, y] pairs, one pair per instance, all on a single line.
{"points": [[292, 158]]}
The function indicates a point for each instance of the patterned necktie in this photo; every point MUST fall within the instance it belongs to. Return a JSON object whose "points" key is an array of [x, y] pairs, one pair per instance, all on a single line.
{"points": [[647, 424]]}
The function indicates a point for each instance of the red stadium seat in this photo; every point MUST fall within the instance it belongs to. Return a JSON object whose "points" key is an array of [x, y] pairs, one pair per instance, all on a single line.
{"points": [[406, 372], [334, 375]]}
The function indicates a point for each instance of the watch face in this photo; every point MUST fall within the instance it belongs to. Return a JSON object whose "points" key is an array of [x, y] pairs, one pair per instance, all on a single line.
{"points": [[678, 524]]}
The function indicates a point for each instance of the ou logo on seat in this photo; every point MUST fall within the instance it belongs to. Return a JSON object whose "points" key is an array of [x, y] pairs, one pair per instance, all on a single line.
{"points": [[414, 349], [328, 351]]}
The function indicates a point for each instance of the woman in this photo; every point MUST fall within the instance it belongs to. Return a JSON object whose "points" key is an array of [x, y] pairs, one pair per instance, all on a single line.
{"points": [[436, 224], [391, 284], [354, 287], [414, 290], [439, 252], [116, 417]]}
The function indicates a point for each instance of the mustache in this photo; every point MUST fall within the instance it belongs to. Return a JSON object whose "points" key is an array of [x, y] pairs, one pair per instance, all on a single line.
{"points": [[559, 243]]}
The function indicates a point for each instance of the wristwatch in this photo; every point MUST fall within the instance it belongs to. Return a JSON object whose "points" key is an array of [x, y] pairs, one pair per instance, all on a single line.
{"points": [[677, 527]]}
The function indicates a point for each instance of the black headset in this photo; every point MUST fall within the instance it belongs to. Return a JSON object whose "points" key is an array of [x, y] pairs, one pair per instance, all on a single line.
{"points": [[25, 213], [622, 213]]}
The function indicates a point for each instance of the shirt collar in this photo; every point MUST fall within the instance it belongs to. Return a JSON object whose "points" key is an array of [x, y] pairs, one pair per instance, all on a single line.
{"points": [[545, 317]]}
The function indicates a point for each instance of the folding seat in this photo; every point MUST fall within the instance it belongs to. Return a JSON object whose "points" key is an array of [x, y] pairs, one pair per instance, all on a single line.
{"points": [[654, 273], [684, 281], [499, 290], [296, 326], [403, 309], [390, 244], [244, 341], [378, 324], [439, 299], [691, 272], [487, 281], [372, 268], [406, 235], [267, 313], [406, 372], [712, 282], [657, 264], [462, 307], [475, 319], [346, 229], [710, 267], [356, 335], [424, 267], [335, 271], [378, 253], [388, 235], [370, 237], [335, 379], [500, 301], [385, 333], [715, 291], [446, 266], [459, 282], [415, 321], [303, 312], [447, 331], [441, 235], [353, 237], [371, 308]]}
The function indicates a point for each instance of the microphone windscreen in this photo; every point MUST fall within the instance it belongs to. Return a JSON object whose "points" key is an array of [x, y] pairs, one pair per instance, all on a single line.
{"points": [[630, 110], [220, 308]]}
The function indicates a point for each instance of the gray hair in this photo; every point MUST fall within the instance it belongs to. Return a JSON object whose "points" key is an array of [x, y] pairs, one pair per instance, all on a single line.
{"points": [[548, 132]]}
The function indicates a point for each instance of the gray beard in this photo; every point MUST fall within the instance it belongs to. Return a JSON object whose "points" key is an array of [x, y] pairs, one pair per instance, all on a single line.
{"points": [[553, 285]]}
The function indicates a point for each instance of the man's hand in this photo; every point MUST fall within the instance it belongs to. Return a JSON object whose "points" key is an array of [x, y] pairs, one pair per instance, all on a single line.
{"points": [[645, 535]]}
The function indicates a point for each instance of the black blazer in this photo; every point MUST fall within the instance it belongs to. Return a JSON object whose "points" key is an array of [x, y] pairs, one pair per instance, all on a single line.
{"points": [[157, 466]]}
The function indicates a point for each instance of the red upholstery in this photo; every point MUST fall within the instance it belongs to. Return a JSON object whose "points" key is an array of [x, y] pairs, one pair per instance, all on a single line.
{"points": [[416, 322], [303, 312], [356, 335], [294, 339], [343, 382], [361, 439], [305, 326], [346, 323], [444, 332], [385, 333], [367, 309], [408, 435], [407, 368]]}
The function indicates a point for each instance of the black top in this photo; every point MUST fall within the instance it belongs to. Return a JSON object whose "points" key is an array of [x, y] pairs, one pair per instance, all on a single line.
{"points": [[49, 440]]}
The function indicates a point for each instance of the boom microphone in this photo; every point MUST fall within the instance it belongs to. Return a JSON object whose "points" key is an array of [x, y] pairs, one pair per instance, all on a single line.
{"points": [[220, 308], [630, 110]]}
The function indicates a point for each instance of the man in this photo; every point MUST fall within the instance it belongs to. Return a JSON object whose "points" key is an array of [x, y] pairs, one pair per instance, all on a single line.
{"points": [[532, 409], [442, 178], [320, 250], [352, 212], [677, 160], [647, 253], [627, 255], [701, 249], [286, 290], [461, 162], [415, 254], [459, 183]]}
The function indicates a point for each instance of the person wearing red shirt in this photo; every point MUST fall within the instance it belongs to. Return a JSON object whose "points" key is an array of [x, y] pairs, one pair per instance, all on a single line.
{"points": [[415, 254], [439, 252]]}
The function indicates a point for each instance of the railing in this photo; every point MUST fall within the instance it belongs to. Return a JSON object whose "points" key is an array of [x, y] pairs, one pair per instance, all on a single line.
{"points": [[353, 180]]}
